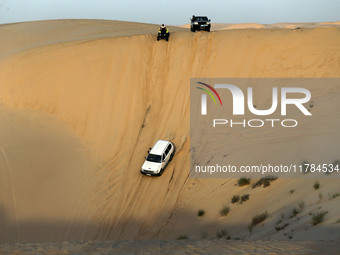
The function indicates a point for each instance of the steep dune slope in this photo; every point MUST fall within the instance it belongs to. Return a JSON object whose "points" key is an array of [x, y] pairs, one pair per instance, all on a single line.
{"points": [[120, 94]]}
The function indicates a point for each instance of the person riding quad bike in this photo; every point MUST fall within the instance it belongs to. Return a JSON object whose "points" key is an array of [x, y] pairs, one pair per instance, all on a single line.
{"points": [[163, 33]]}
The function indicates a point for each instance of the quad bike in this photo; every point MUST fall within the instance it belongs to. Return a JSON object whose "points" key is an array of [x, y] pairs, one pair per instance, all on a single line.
{"points": [[163, 35]]}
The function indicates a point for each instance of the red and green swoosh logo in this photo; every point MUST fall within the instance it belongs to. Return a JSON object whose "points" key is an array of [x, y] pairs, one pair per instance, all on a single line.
{"points": [[209, 93]]}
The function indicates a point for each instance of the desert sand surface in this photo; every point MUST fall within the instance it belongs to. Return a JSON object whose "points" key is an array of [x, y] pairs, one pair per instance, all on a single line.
{"points": [[82, 101], [174, 247]]}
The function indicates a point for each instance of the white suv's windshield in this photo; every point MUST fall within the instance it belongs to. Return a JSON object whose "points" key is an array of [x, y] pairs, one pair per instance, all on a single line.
{"points": [[154, 158]]}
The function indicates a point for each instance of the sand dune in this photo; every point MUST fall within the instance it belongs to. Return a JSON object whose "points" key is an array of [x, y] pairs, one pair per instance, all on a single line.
{"points": [[174, 247], [24, 36], [103, 92]]}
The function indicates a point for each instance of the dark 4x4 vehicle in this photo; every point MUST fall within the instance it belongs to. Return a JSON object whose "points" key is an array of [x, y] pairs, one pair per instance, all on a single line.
{"points": [[200, 23]]}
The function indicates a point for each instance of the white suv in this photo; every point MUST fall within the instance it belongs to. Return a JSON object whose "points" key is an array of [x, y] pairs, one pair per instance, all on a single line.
{"points": [[158, 158]]}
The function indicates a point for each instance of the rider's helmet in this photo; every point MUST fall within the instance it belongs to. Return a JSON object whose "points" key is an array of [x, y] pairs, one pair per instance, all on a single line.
{"points": [[162, 26]]}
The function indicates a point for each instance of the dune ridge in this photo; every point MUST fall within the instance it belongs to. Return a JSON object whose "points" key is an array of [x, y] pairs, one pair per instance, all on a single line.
{"points": [[286, 25]]}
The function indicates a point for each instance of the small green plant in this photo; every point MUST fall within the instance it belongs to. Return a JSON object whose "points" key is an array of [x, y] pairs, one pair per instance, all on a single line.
{"points": [[294, 212], [243, 181], [259, 218], [244, 198], [292, 191], [302, 205], [316, 185], [225, 210], [318, 217], [201, 212], [311, 105], [235, 199], [182, 237], [335, 195], [250, 228], [279, 228], [289, 235], [265, 182], [338, 221], [320, 197], [222, 233]]}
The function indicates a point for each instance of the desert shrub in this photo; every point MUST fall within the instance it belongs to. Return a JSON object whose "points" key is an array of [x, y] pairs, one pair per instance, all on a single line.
{"points": [[279, 222], [201, 213], [302, 205], [243, 181], [182, 237], [316, 185], [292, 191], [265, 182], [244, 198], [318, 217], [279, 228], [294, 212], [235, 199], [221, 233], [225, 210], [258, 219], [335, 195]]}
